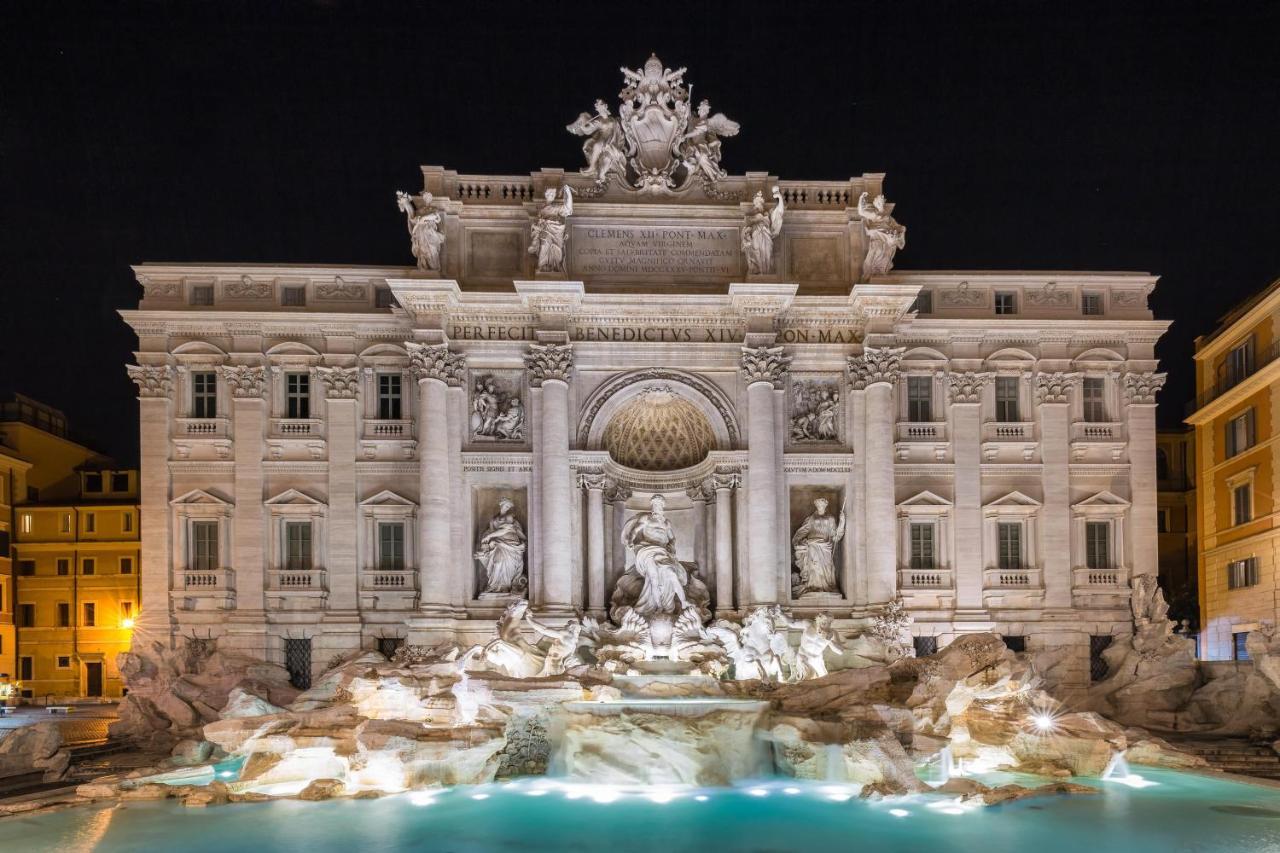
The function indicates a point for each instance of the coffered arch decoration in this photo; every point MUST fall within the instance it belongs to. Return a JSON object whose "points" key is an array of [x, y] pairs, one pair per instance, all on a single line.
{"points": [[616, 393], [658, 430]]}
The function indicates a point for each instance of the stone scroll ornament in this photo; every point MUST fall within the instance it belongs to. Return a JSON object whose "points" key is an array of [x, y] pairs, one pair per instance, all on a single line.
{"points": [[423, 219], [152, 380], [549, 231], [244, 381], [657, 144], [340, 383], [884, 235]]}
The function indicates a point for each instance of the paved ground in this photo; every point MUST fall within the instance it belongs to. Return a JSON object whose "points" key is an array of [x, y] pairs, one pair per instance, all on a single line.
{"points": [[85, 723]]}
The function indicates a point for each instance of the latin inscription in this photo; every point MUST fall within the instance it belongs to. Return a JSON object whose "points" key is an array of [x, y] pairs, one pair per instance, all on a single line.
{"points": [[642, 250]]}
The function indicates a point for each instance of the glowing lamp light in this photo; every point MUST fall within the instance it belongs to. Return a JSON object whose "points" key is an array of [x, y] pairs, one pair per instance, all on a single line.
{"points": [[1043, 722], [127, 623]]}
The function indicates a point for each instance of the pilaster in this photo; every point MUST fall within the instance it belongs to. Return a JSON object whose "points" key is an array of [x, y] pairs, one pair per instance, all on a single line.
{"points": [[155, 416], [1053, 396], [550, 367], [340, 386], [249, 548], [875, 372], [964, 392], [762, 368], [1140, 390]]}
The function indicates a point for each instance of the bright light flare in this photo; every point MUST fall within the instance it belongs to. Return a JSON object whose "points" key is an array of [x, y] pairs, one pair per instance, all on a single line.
{"points": [[899, 812]]}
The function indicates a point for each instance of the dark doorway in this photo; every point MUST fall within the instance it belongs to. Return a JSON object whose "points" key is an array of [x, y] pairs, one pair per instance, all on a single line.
{"points": [[93, 679]]}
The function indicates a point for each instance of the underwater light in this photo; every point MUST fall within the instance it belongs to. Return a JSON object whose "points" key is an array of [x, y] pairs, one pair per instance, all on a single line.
{"points": [[899, 812], [790, 790], [479, 796], [702, 798], [422, 798], [758, 792]]}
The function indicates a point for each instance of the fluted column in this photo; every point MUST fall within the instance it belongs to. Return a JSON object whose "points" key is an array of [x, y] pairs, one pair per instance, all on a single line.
{"points": [[723, 485], [594, 484], [434, 369], [876, 371], [1140, 389], [550, 366], [1053, 392], [155, 416], [340, 387], [763, 368], [964, 391]]}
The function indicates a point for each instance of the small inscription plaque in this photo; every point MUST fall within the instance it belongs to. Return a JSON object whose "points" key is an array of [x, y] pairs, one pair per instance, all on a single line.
{"points": [[628, 250]]}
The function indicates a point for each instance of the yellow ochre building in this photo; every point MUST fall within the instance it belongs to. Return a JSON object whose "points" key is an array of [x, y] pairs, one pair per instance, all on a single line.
{"points": [[1235, 416]]}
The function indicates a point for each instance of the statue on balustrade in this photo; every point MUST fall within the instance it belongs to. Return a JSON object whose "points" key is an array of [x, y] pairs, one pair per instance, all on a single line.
{"points": [[426, 239], [500, 552], [547, 235], [814, 545], [884, 235], [758, 231], [656, 583]]}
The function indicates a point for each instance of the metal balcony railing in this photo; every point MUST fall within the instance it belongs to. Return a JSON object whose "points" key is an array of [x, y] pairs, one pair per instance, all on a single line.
{"points": [[1226, 379]]}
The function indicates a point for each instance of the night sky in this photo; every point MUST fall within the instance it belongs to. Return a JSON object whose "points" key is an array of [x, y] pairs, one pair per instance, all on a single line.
{"points": [[1015, 135]]}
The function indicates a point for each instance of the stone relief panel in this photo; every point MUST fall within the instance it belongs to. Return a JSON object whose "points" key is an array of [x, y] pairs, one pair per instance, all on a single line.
{"points": [[817, 529], [497, 412], [815, 411], [500, 542]]}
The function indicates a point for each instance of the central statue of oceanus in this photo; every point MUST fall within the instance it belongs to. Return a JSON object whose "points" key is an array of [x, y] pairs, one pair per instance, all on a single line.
{"points": [[656, 584], [657, 143]]}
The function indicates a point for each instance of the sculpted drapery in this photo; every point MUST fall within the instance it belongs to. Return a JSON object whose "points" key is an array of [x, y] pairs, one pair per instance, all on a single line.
{"points": [[814, 544], [501, 552]]}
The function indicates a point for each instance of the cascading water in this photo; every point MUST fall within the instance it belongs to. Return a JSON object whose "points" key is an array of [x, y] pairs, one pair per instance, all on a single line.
{"points": [[1117, 768]]}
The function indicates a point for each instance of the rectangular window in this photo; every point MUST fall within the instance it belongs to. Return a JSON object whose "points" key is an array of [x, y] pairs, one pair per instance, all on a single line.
{"points": [[923, 303], [922, 546], [389, 396], [1091, 304], [64, 661], [1242, 504], [1097, 544], [919, 399], [202, 294], [64, 614], [297, 546], [384, 298], [391, 547], [119, 482], [24, 523], [64, 526], [26, 669], [1094, 395], [1007, 399], [1242, 573], [204, 545], [90, 523], [1240, 645], [297, 395], [1163, 521], [925, 646], [1240, 433], [297, 660], [1239, 362], [388, 646], [93, 483], [1006, 302], [294, 296], [126, 611], [26, 568], [204, 394], [89, 566], [126, 522], [64, 566], [26, 615], [126, 565], [90, 614], [1009, 556]]}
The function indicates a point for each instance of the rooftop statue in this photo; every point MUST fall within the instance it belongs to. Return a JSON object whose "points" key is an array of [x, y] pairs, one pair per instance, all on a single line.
{"points": [[426, 239], [604, 143], [546, 239], [759, 228], [884, 235]]}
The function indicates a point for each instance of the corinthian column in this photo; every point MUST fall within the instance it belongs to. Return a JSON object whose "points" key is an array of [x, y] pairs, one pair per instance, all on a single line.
{"points": [[1140, 391], [964, 392], [595, 485], [763, 368], [435, 370], [155, 413], [549, 368], [875, 371]]}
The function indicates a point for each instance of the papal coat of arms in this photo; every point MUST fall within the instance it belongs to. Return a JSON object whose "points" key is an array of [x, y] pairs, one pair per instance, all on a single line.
{"points": [[657, 143]]}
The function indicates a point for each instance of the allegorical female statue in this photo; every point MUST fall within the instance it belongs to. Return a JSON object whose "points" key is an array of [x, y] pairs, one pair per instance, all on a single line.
{"points": [[546, 239], [884, 235], [700, 148], [758, 231], [604, 144], [814, 544], [501, 552], [426, 239]]}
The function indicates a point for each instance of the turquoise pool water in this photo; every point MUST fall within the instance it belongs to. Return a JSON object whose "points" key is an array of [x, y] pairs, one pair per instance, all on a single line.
{"points": [[1181, 813]]}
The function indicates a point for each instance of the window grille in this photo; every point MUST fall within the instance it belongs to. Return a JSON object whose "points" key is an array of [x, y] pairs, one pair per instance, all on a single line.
{"points": [[1098, 669], [297, 660]]}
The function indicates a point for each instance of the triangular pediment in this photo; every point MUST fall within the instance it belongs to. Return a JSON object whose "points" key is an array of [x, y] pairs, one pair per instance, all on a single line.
{"points": [[925, 498], [1103, 499], [199, 497], [1013, 499], [386, 497], [293, 497]]}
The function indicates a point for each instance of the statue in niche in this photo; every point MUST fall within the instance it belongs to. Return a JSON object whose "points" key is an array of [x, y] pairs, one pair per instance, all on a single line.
{"points": [[501, 552], [546, 237], [656, 583], [604, 146], [814, 544], [761, 226], [814, 412], [700, 148], [884, 235], [495, 412], [426, 239], [816, 637]]}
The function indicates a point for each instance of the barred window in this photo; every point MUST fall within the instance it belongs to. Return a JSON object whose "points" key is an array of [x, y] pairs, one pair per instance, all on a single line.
{"points": [[1006, 302], [1091, 304], [925, 646], [1240, 645]]}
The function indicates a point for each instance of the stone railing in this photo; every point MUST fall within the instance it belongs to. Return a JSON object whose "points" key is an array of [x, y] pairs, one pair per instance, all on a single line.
{"points": [[491, 189], [923, 431], [924, 578], [1103, 432], [211, 580], [202, 427], [818, 195], [389, 579], [1026, 578], [375, 429], [1002, 431], [297, 428], [291, 580], [1106, 579]]}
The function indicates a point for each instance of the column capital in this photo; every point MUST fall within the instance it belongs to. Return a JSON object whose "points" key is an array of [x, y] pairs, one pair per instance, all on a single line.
{"points": [[1055, 387], [873, 365], [615, 491], [593, 481], [1141, 387], [340, 383], [433, 361], [245, 382], [966, 386], [154, 380], [727, 480], [549, 361], [764, 364]]}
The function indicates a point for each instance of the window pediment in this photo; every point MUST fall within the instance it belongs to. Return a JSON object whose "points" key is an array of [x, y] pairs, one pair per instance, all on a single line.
{"points": [[1104, 503], [199, 497], [925, 501], [388, 498], [296, 502]]}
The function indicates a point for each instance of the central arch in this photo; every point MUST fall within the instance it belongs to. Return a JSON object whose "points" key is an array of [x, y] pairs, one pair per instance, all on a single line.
{"points": [[618, 392]]}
